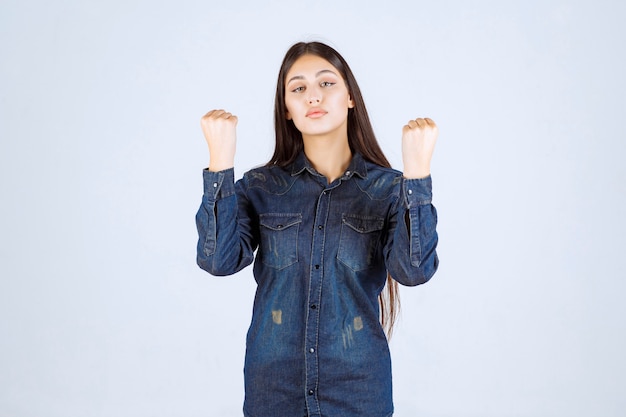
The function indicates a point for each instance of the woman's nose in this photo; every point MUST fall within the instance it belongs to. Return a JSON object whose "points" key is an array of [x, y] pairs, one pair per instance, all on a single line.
{"points": [[314, 98]]}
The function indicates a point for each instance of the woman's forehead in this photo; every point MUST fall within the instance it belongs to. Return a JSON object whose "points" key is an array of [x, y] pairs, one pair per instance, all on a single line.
{"points": [[308, 65]]}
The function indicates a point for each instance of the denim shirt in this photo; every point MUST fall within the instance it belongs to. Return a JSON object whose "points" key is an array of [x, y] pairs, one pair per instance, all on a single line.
{"points": [[315, 346]]}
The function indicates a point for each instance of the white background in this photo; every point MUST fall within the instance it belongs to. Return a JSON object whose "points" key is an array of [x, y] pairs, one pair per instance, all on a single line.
{"points": [[103, 311]]}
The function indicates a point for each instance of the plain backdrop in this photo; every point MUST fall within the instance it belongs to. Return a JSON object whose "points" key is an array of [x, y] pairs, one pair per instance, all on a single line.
{"points": [[103, 312]]}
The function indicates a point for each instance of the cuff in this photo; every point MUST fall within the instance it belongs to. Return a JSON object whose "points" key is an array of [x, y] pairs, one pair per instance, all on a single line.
{"points": [[218, 185], [417, 192]]}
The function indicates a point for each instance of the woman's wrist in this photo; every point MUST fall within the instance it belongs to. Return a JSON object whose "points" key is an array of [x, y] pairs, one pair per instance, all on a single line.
{"points": [[416, 172], [216, 166]]}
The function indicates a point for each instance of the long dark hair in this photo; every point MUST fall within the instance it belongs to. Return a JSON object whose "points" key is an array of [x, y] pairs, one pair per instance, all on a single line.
{"points": [[361, 139]]}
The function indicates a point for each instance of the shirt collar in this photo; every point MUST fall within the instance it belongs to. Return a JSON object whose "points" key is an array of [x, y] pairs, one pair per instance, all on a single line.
{"points": [[357, 166]]}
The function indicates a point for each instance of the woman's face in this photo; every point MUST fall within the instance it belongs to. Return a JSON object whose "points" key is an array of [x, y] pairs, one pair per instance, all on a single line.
{"points": [[316, 97]]}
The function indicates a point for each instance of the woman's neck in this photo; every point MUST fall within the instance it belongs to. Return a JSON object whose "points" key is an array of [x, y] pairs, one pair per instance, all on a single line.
{"points": [[330, 156]]}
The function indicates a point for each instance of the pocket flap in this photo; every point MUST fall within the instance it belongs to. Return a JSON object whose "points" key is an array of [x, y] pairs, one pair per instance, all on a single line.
{"points": [[279, 221], [363, 224]]}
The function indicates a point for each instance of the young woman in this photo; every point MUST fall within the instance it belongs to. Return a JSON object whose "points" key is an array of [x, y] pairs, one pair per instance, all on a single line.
{"points": [[331, 223]]}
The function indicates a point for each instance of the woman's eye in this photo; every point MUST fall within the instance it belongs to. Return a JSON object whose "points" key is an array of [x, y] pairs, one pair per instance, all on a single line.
{"points": [[297, 90], [327, 84]]}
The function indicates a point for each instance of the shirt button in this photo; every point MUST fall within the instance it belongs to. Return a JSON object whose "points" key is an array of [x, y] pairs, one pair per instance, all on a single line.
{"points": [[312, 350], [347, 173], [214, 185], [320, 227], [410, 192], [313, 306], [311, 392], [317, 267]]}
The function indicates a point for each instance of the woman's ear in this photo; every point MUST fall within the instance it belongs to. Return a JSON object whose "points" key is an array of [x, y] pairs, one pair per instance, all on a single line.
{"points": [[350, 102], [287, 115]]}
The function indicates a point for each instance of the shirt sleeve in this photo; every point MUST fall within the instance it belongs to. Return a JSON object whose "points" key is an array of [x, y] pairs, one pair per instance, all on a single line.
{"points": [[225, 239], [410, 252]]}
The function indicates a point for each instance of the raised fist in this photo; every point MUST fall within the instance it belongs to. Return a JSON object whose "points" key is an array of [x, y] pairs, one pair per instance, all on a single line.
{"points": [[418, 144], [220, 131]]}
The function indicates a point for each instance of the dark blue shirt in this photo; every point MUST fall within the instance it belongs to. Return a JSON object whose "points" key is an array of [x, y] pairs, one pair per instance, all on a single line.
{"points": [[315, 346]]}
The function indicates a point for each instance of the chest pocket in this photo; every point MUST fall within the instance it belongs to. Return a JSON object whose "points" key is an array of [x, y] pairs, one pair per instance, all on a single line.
{"points": [[359, 240], [279, 239]]}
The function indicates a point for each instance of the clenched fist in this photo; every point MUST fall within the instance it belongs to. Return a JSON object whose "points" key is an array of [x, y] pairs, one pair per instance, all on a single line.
{"points": [[220, 131], [418, 143]]}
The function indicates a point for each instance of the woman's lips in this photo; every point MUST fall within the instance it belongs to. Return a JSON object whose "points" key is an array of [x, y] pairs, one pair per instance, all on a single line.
{"points": [[315, 113]]}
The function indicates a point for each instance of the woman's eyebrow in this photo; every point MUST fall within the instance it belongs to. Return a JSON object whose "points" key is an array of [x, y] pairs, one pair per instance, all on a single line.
{"points": [[301, 77]]}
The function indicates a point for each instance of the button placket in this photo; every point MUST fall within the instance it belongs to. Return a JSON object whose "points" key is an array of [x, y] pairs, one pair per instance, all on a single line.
{"points": [[316, 275]]}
